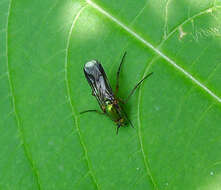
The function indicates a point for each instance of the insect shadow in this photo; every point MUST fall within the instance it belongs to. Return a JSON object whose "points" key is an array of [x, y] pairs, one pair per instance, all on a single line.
{"points": [[109, 102]]}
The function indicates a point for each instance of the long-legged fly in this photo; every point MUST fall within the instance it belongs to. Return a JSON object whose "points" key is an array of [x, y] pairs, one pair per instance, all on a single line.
{"points": [[110, 104]]}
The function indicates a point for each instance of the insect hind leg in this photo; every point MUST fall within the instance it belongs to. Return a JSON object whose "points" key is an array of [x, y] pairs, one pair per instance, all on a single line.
{"points": [[118, 127], [125, 114]]}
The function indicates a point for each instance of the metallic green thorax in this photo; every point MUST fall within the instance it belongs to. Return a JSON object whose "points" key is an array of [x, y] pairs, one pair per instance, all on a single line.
{"points": [[115, 113]]}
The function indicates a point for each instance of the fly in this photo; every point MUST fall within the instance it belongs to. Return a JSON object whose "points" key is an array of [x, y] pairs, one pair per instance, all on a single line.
{"points": [[110, 104]]}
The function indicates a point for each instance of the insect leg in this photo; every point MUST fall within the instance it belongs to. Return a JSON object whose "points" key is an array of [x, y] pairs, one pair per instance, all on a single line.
{"points": [[118, 73], [130, 122], [118, 127], [97, 111], [127, 118], [137, 85], [121, 100]]}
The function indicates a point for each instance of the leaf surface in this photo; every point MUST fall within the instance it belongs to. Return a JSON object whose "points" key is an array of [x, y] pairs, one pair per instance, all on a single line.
{"points": [[47, 144]]}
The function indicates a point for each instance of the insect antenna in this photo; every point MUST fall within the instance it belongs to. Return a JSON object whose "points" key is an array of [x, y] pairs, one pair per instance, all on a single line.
{"points": [[118, 127], [118, 73], [137, 85]]}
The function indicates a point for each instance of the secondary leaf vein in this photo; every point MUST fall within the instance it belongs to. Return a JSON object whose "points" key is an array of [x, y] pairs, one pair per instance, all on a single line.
{"points": [[75, 118], [206, 11], [146, 163], [20, 128]]}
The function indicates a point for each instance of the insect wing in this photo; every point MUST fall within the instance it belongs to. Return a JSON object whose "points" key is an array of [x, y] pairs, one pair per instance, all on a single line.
{"points": [[98, 81]]}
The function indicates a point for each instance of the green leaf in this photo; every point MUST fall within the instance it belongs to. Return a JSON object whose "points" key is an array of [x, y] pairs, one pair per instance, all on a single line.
{"points": [[47, 144]]}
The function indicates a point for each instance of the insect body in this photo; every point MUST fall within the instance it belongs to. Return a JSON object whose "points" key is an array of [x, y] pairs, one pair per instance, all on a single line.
{"points": [[101, 89]]}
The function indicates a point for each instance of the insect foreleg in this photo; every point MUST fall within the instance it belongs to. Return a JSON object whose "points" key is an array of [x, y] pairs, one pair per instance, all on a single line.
{"points": [[97, 111]]}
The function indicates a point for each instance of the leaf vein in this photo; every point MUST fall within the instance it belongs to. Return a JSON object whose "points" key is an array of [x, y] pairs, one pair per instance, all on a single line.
{"points": [[157, 51], [197, 126], [74, 116], [17, 119], [139, 13], [206, 11], [166, 20], [146, 163]]}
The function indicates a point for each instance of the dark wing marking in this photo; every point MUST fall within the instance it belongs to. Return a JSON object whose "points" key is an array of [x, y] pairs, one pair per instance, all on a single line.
{"points": [[98, 81]]}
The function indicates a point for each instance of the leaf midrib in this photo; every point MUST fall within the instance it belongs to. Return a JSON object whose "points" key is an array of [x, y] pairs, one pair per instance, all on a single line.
{"points": [[156, 50]]}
